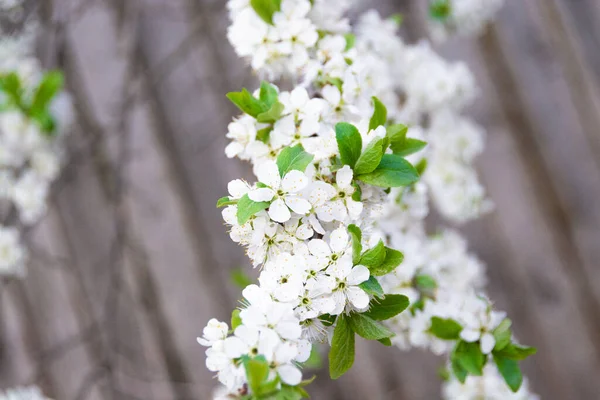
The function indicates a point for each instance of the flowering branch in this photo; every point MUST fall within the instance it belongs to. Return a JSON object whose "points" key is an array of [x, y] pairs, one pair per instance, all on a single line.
{"points": [[339, 205]]}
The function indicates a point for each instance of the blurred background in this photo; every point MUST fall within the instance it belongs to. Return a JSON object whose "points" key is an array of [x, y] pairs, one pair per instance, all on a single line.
{"points": [[133, 258]]}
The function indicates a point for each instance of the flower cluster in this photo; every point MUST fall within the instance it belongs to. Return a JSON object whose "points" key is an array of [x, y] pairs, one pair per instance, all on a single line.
{"points": [[34, 116], [338, 205], [461, 17], [23, 393]]}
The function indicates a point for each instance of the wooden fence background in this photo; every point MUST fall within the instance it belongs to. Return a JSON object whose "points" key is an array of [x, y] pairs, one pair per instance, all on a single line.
{"points": [[132, 259]]}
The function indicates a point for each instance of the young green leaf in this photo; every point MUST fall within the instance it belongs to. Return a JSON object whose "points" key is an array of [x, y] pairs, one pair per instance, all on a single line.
{"points": [[293, 158], [458, 370], [392, 259], [373, 257], [440, 9], [225, 201], [257, 372], [349, 143], [272, 114], [470, 357], [421, 166], [385, 341], [370, 158], [314, 361], [266, 8], [392, 171], [510, 371], [409, 146], [368, 328], [350, 40], [425, 284], [502, 334], [51, 84], [268, 94], [236, 320], [247, 208], [264, 134], [357, 195], [516, 352], [379, 116], [247, 103], [396, 135], [372, 287], [240, 278], [388, 307], [356, 235], [341, 355], [445, 328]]}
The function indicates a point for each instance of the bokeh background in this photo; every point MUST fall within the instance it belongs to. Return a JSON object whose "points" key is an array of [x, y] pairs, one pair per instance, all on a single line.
{"points": [[133, 258]]}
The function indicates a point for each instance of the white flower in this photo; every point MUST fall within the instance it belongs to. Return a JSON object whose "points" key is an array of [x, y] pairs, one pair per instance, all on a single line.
{"points": [[29, 195], [346, 290], [334, 202], [284, 194], [214, 331], [12, 253], [283, 277]]}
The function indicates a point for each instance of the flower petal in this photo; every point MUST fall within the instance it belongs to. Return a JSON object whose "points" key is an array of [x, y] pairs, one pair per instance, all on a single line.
{"points": [[321, 192], [268, 173], [261, 194], [343, 177], [487, 343], [319, 248], [290, 374], [469, 335], [298, 205], [338, 241], [294, 181], [358, 275], [279, 212], [237, 188], [357, 297]]}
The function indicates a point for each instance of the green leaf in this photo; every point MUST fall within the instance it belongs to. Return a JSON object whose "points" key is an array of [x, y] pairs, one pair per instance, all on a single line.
{"points": [[356, 235], [328, 319], [516, 352], [458, 370], [290, 393], [502, 334], [240, 278], [266, 8], [392, 259], [421, 166], [440, 9], [268, 94], [370, 158], [470, 357], [372, 287], [388, 307], [264, 134], [397, 18], [247, 103], [225, 201], [341, 355], [379, 116], [350, 41], [425, 284], [247, 208], [51, 84], [272, 114], [314, 361], [373, 257], [392, 171], [385, 341], [235, 319], [510, 371], [368, 328], [409, 146], [349, 143], [445, 328], [293, 158], [257, 372], [396, 134]]}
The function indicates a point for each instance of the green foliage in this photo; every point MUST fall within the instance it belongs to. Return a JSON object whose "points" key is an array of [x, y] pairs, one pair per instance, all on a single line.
{"points": [[445, 328], [502, 334], [368, 328], [272, 114], [268, 94], [379, 116], [356, 235], [440, 9], [266, 8], [247, 103], [426, 285], [264, 134], [341, 354], [370, 158], [372, 287], [349, 143], [409, 146], [293, 158], [315, 361], [235, 319], [247, 208], [388, 307], [510, 371], [265, 109], [392, 171], [257, 372], [350, 41], [400, 144], [469, 357], [240, 278], [381, 260], [421, 166], [225, 201]]}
